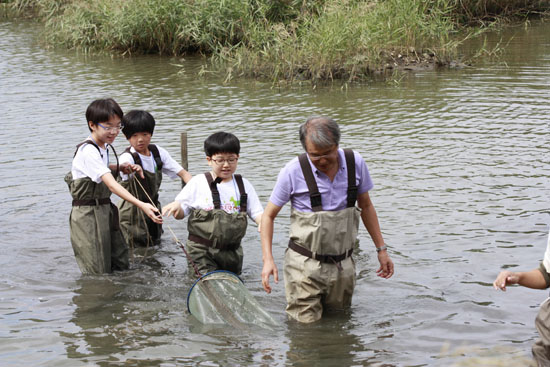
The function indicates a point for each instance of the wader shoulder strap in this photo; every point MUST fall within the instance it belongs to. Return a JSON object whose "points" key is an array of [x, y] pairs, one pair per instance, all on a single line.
{"points": [[352, 184], [314, 194], [135, 156], [213, 184], [116, 157], [154, 151], [156, 155], [244, 195], [143, 181], [87, 141]]}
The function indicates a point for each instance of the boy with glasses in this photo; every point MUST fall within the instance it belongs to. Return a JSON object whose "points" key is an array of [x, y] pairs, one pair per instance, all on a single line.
{"points": [[154, 161], [98, 244], [217, 203]]}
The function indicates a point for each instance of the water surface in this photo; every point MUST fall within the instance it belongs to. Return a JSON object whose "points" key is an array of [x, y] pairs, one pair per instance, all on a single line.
{"points": [[459, 159]]}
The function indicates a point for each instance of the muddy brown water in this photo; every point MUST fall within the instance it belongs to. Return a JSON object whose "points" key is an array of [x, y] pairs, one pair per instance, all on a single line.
{"points": [[459, 159]]}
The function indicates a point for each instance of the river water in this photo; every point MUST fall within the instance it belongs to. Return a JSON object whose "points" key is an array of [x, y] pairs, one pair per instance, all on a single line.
{"points": [[459, 159]]}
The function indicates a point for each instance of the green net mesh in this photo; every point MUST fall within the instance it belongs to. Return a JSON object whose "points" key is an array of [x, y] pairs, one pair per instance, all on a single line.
{"points": [[220, 297]]}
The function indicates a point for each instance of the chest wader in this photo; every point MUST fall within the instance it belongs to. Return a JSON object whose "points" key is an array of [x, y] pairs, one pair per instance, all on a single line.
{"points": [[97, 241], [214, 241], [319, 271], [138, 229], [541, 347]]}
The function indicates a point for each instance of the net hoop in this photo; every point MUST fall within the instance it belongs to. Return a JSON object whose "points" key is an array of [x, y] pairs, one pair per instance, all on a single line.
{"points": [[205, 275]]}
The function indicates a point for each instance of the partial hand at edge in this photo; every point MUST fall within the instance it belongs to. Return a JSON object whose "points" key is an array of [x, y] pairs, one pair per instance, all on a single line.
{"points": [[152, 213], [171, 209], [128, 168], [505, 278], [386, 265]]}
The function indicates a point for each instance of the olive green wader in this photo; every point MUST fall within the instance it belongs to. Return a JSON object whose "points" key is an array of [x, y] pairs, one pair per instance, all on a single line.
{"points": [[541, 348], [97, 241], [138, 229], [319, 271], [214, 241]]}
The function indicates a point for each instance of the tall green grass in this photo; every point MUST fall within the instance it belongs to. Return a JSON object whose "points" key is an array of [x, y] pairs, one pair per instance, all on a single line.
{"points": [[311, 40]]}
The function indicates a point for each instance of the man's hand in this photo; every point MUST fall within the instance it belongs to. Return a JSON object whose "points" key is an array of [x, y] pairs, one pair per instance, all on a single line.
{"points": [[269, 269], [386, 265]]}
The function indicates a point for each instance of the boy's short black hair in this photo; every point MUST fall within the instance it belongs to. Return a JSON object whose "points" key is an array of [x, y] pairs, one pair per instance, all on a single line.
{"points": [[221, 142], [137, 121], [102, 110]]}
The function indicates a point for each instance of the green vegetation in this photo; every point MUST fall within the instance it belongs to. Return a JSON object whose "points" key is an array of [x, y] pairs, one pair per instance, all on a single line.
{"points": [[279, 40]]}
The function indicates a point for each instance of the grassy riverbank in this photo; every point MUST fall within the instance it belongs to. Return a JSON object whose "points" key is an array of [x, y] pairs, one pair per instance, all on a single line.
{"points": [[278, 40]]}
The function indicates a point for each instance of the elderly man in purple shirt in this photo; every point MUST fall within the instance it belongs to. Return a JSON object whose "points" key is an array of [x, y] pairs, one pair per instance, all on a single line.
{"points": [[323, 186]]}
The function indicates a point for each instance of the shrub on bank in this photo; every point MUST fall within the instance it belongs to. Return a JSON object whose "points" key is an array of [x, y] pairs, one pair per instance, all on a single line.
{"points": [[275, 39]]}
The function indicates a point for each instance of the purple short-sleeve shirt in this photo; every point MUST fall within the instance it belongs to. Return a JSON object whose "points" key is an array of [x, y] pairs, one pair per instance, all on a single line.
{"points": [[291, 185]]}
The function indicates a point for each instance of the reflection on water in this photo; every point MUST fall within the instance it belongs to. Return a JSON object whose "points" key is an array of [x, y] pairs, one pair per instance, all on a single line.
{"points": [[459, 159]]}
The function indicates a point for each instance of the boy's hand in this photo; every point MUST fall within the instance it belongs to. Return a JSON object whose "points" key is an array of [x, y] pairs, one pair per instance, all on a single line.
{"points": [[172, 209], [152, 213], [505, 278], [127, 168]]}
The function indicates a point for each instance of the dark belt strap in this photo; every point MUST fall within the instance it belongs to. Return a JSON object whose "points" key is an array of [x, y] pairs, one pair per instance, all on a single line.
{"points": [[209, 243], [201, 240], [103, 201], [91, 202], [331, 259]]}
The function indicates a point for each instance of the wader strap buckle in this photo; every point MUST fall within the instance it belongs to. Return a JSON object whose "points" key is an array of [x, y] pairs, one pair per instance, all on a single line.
{"points": [[214, 189], [244, 195]]}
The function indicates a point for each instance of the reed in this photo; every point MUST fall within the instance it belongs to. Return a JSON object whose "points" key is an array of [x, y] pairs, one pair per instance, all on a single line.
{"points": [[279, 40]]}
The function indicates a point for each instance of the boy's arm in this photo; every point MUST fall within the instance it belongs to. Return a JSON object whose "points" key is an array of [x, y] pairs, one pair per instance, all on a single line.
{"points": [[184, 175], [530, 279], [117, 189]]}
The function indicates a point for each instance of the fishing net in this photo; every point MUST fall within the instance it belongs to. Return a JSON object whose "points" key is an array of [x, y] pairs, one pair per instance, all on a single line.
{"points": [[220, 297]]}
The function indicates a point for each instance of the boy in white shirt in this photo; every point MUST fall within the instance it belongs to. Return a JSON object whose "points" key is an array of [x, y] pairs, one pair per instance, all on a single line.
{"points": [[535, 279], [217, 203], [98, 244], [154, 161]]}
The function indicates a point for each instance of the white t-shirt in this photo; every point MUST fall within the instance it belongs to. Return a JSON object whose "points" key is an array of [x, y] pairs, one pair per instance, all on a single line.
{"points": [[89, 162], [169, 165], [546, 260], [197, 195]]}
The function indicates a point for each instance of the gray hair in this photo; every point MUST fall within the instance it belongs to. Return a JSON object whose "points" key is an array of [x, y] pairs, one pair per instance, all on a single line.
{"points": [[321, 131]]}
